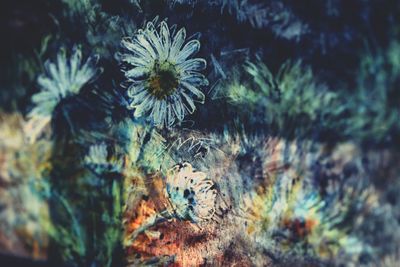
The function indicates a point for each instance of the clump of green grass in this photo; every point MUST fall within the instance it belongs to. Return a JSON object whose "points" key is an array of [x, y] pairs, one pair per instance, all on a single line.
{"points": [[291, 103]]}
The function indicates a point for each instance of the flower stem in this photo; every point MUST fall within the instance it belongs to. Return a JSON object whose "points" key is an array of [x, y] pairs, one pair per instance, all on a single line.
{"points": [[150, 222]]}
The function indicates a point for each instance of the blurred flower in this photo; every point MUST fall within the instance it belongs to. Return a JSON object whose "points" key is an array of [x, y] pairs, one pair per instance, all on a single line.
{"points": [[98, 161], [63, 78], [23, 170], [192, 194], [163, 81]]}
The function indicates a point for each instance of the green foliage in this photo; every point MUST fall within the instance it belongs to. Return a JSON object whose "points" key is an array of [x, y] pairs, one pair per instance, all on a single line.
{"points": [[143, 144], [375, 108], [101, 31], [86, 9], [112, 238], [85, 208], [274, 15], [68, 236], [20, 75], [293, 103], [290, 103], [92, 235]]}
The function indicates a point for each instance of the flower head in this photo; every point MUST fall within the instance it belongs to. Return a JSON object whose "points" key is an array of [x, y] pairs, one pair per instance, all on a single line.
{"points": [[191, 193], [63, 78], [163, 82]]}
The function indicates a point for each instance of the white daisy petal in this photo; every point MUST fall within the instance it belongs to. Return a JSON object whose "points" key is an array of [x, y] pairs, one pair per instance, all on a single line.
{"points": [[178, 108], [146, 45], [62, 68], [135, 61], [42, 97], [162, 112], [195, 79], [135, 89], [75, 61], [139, 97], [165, 37], [194, 64], [177, 43], [154, 39], [137, 49], [201, 97], [170, 116], [143, 106], [189, 49], [155, 113], [191, 108], [136, 72]]}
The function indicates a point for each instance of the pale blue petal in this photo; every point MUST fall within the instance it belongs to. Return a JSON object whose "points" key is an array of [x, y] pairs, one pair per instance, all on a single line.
{"points": [[154, 39], [188, 50], [195, 78], [141, 38], [132, 60], [44, 96], [82, 76], [194, 90], [48, 84], [165, 37], [45, 108], [136, 72], [178, 107], [56, 78], [137, 49], [138, 98], [135, 89], [177, 43], [170, 119], [74, 62], [62, 70], [191, 108], [195, 64], [143, 107], [155, 113], [160, 114]]}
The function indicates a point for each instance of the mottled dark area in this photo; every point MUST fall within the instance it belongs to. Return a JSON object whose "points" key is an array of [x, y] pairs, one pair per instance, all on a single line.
{"points": [[325, 73]]}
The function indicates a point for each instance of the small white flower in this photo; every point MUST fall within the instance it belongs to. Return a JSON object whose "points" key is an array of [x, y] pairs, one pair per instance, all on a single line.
{"points": [[63, 78], [191, 194], [97, 155], [97, 160], [163, 82]]}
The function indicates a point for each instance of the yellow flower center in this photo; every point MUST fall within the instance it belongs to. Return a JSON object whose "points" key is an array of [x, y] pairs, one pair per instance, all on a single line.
{"points": [[163, 80]]}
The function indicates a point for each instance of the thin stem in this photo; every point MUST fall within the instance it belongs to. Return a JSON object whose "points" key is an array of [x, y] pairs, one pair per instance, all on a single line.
{"points": [[150, 222]]}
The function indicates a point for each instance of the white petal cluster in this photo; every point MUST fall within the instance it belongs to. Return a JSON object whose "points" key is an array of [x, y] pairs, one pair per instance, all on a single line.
{"points": [[191, 194], [163, 80], [62, 78]]}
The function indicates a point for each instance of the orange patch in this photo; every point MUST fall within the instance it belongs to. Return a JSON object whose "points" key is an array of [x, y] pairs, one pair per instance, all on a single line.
{"points": [[145, 210], [298, 227]]}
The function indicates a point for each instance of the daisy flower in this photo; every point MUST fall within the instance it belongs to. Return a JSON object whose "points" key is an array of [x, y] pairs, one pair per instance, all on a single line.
{"points": [[63, 78], [163, 79], [191, 194], [192, 197]]}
